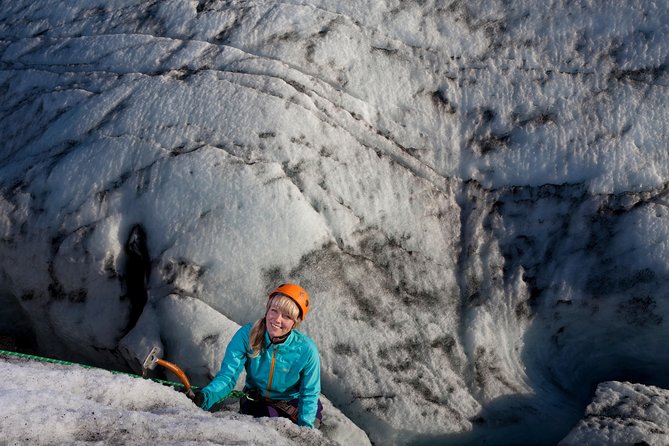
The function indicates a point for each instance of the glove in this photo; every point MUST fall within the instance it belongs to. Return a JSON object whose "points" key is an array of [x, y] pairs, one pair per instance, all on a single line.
{"points": [[197, 398]]}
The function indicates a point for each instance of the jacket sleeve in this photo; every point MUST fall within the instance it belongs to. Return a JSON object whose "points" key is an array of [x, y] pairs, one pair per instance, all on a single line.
{"points": [[310, 389], [232, 365]]}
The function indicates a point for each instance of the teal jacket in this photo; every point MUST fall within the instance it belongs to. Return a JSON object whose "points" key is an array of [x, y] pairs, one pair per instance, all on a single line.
{"points": [[283, 371]]}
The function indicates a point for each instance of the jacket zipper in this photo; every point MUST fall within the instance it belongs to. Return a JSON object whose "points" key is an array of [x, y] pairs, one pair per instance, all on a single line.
{"points": [[271, 374]]}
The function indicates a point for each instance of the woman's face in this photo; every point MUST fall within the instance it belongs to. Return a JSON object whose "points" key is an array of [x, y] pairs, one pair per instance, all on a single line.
{"points": [[278, 323]]}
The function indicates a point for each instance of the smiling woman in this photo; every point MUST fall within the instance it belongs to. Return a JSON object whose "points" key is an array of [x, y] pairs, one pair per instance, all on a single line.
{"points": [[282, 364], [280, 320]]}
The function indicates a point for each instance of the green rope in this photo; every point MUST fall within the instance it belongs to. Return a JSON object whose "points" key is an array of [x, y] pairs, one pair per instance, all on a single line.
{"points": [[235, 394], [61, 362], [232, 394], [68, 363]]}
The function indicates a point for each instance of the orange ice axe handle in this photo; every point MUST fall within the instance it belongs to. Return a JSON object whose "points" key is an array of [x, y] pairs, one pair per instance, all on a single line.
{"points": [[153, 359]]}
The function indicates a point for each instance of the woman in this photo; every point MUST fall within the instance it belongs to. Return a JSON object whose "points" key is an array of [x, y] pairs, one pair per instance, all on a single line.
{"points": [[283, 376]]}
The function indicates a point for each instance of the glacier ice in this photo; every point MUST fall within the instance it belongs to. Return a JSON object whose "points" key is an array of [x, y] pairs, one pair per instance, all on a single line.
{"points": [[475, 193]]}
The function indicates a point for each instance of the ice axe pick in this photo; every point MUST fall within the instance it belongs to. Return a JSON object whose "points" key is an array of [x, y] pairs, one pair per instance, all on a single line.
{"points": [[153, 359]]}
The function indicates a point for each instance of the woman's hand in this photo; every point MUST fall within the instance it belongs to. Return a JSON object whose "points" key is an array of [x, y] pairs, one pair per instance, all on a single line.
{"points": [[197, 398]]}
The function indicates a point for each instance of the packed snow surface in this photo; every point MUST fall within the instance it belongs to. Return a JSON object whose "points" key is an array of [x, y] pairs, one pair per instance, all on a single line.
{"points": [[474, 193], [623, 413], [44, 404]]}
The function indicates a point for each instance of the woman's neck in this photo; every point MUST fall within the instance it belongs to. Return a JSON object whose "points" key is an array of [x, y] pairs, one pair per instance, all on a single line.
{"points": [[278, 339]]}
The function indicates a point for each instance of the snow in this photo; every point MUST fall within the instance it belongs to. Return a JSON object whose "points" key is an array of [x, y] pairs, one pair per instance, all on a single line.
{"points": [[473, 193], [55, 404], [623, 413]]}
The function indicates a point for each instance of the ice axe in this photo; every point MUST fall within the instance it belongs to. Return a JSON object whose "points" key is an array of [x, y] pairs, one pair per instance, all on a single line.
{"points": [[153, 359]]}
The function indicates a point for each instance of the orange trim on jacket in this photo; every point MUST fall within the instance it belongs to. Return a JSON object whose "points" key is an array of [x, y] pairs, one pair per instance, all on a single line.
{"points": [[271, 374]]}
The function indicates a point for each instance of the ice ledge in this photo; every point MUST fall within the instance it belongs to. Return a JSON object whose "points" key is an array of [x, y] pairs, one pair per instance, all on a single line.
{"points": [[623, 413]]}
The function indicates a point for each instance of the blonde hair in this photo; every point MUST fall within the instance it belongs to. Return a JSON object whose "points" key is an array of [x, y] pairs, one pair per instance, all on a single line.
{"points": [[285, 305]]}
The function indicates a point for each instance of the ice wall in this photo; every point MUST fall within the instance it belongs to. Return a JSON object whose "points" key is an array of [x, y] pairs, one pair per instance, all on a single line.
{"points": [[474, 193]]}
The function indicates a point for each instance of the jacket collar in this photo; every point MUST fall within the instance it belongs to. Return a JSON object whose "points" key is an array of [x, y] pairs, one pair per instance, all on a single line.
{"points": [[285, 340]]}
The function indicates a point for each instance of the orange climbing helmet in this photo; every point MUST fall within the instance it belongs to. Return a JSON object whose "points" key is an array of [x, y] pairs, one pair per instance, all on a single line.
{"points": [[296, 293]]}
